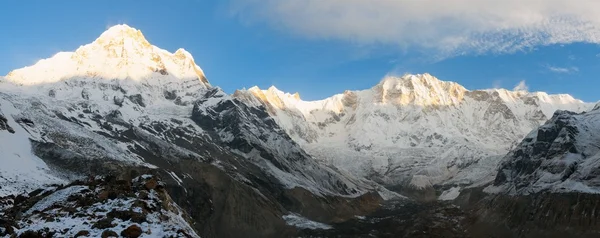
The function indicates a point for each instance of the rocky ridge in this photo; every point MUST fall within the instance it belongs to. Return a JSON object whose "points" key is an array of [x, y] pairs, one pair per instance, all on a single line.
{"points": [[99, 207]]}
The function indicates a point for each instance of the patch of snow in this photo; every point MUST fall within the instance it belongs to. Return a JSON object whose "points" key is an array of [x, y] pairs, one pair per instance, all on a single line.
{"points": [[304, 223], [450, 194], [176, 178], [386, 194], [59, 196]]}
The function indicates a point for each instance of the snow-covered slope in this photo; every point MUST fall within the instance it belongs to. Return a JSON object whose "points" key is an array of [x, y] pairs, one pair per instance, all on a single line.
{"points": [[119, 70], [413, 129], [21, 170], [252, 134], [563, 155]]}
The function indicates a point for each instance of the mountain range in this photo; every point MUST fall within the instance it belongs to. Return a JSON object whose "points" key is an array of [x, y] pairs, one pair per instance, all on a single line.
{"points": [[138, 137], [414, 131]]}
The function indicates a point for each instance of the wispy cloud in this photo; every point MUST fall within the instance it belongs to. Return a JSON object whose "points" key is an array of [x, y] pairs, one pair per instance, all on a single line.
{"points": [[521, 86], [497, 83], [448, 27], [562, 70]]}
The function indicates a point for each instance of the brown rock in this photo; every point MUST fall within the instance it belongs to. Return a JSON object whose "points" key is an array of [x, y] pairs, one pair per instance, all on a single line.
{"points": [[109, 233], [151, 184], [82, 233], [103, 195], [133, 231]]}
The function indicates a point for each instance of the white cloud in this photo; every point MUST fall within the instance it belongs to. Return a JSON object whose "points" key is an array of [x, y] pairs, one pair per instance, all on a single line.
{"points": [[562, 69], [521, 86], [447, 27], [497, 84]]}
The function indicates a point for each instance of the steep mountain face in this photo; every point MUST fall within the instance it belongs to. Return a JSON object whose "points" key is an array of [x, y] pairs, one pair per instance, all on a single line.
{"points": [[563, 155], [120, 106], [414, 131], [547, 186]]}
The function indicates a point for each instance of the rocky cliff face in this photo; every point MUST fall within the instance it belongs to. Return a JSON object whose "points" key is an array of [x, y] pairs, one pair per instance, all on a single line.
{"points": [[542, 214], [546, 186], [560, 156]]}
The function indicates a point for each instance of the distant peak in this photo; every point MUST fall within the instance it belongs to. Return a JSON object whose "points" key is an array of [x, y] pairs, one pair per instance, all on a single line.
{"points": [[419, 89], [121, 52], [117, 34], [254, 89], [273, 89], [276, 92], [120, 28], [412, 79], [275, 96], [182, 51]]}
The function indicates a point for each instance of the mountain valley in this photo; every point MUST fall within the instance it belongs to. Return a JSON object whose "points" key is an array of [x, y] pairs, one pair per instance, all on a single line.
{"points": [[122, 138]]}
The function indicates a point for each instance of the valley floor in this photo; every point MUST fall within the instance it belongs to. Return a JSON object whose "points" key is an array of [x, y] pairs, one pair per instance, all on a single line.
{"points": [[402, 218], [476, 214]]}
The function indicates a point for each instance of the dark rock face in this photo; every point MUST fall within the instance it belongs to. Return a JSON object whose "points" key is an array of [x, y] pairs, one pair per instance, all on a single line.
{"points": [[118, 101], [4, 124], [170, 95], [137, 99], [544, 187], [538, 215], [85, 94], [555, 138], [497, 106]]}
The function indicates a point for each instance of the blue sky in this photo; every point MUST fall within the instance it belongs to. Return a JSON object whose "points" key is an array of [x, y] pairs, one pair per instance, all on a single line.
{"points": [[320, 48]]}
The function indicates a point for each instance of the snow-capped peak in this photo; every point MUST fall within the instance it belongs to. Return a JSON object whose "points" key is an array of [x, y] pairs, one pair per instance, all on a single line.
{"points": [[276, 97], [118, 33], [121, 52], [420, 89]]}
